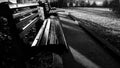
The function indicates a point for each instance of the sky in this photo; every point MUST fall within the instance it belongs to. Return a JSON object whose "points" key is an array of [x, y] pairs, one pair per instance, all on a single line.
{"points": [[98, 2]]}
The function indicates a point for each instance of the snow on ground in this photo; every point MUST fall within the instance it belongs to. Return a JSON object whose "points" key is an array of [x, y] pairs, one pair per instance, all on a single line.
{"points": [[111, 23], [100, 9]]}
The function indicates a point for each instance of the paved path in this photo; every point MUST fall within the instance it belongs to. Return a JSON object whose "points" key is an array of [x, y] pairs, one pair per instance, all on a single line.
{"points": [[84, 51]]}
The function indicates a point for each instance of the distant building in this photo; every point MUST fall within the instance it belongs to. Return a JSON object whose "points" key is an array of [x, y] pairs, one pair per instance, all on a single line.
{"points": [[3, 1], [29, 1], [26, 1]]}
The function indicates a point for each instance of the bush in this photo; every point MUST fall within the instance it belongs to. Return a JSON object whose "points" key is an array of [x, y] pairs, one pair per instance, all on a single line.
{"points": [[115, 6]]}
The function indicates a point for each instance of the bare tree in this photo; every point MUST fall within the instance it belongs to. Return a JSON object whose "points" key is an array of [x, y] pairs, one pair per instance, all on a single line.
{"points": [[82, 3], [105, 3], [88, 4], [94, 4]]}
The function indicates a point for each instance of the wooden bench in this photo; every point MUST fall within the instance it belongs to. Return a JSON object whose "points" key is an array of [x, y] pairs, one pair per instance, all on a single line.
{"points": [[24, 33]]}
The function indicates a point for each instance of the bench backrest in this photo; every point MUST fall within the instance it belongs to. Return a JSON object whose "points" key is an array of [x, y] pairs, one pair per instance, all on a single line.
{"points": [[23, 20]]}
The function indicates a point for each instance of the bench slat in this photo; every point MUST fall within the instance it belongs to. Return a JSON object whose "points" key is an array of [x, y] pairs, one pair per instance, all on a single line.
{"points": [[25, 12], [25, 21], [14, 6], [26, 29], [39, 35]]}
